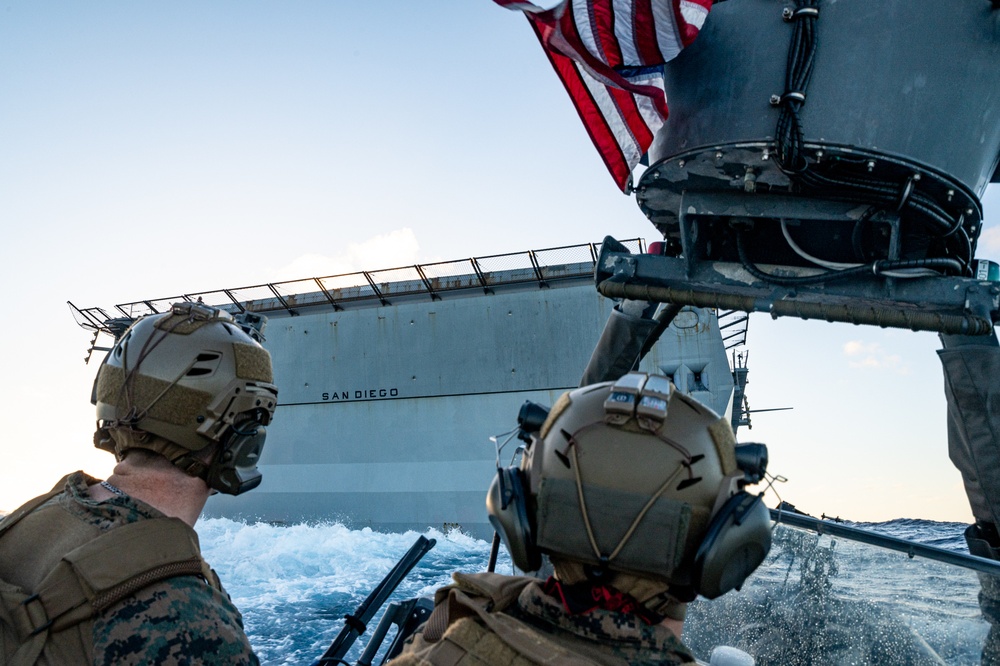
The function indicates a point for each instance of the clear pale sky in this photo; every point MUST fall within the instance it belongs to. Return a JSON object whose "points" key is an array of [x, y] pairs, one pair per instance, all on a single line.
{"points": [[152, 149]]}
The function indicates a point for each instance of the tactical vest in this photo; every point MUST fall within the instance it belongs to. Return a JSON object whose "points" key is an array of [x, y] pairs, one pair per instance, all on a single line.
{"points": [[469, 628], [66, 572]]}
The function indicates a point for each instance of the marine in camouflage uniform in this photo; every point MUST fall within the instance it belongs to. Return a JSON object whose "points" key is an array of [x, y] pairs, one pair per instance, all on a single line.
{"points": [[180, 620], [111, 572], [635, 493]]}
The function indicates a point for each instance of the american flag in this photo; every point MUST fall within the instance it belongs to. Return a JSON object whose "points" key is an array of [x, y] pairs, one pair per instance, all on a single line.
{"points": [[609, 55]]}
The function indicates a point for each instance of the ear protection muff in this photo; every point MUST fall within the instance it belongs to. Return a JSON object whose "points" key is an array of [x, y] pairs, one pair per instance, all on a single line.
{"points": [[234, 470], [737, 541], [506, 504]]}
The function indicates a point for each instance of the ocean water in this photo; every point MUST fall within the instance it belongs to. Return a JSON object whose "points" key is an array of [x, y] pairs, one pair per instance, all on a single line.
{"points": [[816, 600]]}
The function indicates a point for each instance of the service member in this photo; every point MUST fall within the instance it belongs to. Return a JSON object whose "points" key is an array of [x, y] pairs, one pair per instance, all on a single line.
{"points": [[971, 364], [110, 572], [635, 492]]}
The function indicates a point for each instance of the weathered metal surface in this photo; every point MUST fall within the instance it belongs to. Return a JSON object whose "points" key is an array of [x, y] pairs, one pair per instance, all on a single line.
{"points": [[950, 305], [913, 79], [898, 119]]}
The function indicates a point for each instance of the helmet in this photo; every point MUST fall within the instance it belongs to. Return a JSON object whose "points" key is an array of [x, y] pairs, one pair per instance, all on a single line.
{"points": [[636, 477], [179, 382]]}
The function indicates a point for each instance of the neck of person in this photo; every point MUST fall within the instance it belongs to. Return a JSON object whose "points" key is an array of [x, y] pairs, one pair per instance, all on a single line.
{"points": [[167, 489], [676, 626]]}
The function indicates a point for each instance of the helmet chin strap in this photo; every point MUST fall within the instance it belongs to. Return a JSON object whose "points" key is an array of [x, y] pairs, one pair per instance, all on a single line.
{"points": [[119, 439]]}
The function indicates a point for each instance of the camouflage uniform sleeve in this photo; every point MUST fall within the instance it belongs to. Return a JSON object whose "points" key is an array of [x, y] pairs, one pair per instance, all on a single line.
{"points": [[177, 621]]}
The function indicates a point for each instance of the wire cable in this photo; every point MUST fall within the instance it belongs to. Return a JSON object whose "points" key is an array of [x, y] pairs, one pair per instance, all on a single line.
{"points": [[876, 268]]}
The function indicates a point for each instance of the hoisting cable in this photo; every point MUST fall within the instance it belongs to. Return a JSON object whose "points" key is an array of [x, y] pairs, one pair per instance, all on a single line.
{"points": [[886, 195], [837, 265]]}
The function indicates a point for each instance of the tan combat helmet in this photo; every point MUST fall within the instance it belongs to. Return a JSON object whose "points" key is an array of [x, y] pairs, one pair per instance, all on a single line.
{"points": [[637, 478], [179, 382]]}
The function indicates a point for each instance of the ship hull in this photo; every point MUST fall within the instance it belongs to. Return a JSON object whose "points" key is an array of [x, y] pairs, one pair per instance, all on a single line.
{"points": [[385, 411]]}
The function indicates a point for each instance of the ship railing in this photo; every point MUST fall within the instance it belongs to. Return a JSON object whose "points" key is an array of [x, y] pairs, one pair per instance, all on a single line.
{"points": [[733, 325], [432, 280]]}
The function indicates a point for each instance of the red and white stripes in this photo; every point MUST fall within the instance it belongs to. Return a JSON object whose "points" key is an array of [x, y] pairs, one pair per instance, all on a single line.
{"points": [[609, 56]]}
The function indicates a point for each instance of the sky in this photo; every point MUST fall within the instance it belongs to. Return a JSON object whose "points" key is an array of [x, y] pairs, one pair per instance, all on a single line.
{"points": [[152, 149]]}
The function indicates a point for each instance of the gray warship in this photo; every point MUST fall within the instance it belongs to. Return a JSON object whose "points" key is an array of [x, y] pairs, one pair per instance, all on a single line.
{"points": [[768, 198], [391, 381]]}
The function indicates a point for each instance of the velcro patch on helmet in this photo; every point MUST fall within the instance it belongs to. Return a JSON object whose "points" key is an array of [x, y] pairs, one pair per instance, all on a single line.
{"points": [[725, 445], [656, 547], [179, 405], [562, 404], [253, 363]]}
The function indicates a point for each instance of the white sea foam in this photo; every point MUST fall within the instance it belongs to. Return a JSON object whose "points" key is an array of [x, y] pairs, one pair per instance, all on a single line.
{"points": [[295, 583]]}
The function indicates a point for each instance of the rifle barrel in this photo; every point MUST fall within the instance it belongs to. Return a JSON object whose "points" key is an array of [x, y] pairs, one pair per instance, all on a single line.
{"points": [[356, 623]]}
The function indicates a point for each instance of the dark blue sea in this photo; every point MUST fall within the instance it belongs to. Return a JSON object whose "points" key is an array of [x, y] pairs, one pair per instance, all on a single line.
{"points": [[816, 600]]}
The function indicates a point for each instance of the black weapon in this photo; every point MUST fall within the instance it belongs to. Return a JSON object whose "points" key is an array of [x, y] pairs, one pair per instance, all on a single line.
{"points": [[803, 521], [356, 623]]}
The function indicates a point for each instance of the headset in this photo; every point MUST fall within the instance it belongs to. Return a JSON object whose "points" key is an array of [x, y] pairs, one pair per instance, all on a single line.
{"points": [[233, 469], [506, 504], [737, 541]]}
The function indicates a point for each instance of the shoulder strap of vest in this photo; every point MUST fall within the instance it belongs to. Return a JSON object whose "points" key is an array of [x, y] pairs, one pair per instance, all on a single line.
{"points": [[12, 519], [484, 596], [109, 568], [497, 592]]}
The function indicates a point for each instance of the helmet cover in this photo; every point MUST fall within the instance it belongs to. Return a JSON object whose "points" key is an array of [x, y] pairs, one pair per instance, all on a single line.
{"points": [[178, 382], [627, 475]]}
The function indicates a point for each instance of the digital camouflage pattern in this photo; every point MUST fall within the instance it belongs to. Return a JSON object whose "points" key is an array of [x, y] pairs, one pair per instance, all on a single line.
{"points": [[177, 621], [534, 628], [180, 620]]}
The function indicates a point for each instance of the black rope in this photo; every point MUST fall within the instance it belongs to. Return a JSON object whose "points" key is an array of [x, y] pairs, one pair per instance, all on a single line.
{"points": [[859, 252]]}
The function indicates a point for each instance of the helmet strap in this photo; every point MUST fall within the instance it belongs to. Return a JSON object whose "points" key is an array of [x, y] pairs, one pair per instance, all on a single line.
{"points": [[182, 458], [128, 386]]}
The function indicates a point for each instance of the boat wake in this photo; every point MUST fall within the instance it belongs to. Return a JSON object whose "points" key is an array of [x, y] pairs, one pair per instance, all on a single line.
{"points": [[816, 600]]}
